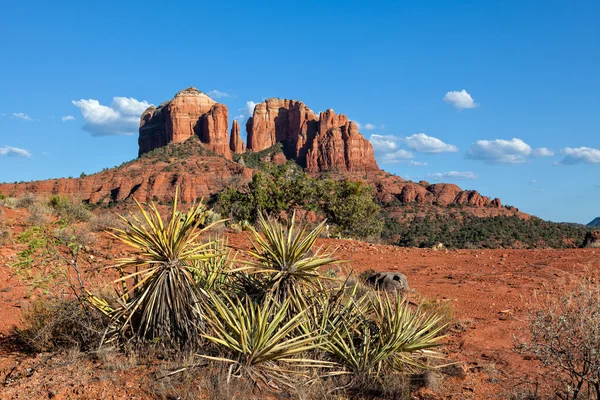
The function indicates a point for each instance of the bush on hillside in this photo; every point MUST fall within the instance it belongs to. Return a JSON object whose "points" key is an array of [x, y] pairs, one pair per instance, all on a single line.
{"points": [[348, 205]]}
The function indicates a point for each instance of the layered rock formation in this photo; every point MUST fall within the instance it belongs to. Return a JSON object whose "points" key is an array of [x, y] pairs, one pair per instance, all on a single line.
{"points": [[146, 178], [236, 145], [189, 113], [327, 142]]}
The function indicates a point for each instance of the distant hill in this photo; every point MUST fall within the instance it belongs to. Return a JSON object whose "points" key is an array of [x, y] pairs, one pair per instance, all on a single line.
{"points": [[595, 222]]}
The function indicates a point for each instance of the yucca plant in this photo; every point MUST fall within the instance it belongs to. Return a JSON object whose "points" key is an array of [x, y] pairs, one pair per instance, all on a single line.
{"points": [[162, 303], [390, 335], [215, 272], [258, 336], [283, 255]]}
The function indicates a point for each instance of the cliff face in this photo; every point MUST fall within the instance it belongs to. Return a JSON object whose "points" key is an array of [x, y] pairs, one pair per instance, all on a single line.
{"points": [[327, 142], [323, 143], [236, 145], [189, 113]]}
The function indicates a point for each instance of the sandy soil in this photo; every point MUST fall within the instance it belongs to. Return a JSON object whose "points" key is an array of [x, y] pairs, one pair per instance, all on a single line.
{"points": [[488, 289]]}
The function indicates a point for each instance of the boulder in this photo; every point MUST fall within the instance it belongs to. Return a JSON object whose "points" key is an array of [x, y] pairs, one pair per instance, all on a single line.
{"points": [[395, 282]]}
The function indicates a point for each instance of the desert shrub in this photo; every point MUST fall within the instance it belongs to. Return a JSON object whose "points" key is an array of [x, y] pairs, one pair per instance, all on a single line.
{"points": [[60, 323], [69, 210], [8, 202], [39, 213], [565, 338], [468, 231], [104, 220], [348, 205], [5, 233], [25, 201]]}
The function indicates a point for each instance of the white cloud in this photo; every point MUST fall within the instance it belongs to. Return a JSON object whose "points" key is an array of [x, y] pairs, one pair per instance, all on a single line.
{"points": [[121, 118], [22, 116], [358, 125], [460, 99], [453, 175], [427, 144], [542, 152], [68, 118], [417, 163], [382, 126], [241, 116], [218, 94], [500, 151], [384, 143], [369, 126], [579, 155], [14, 152], [250, 108], [395, 156], [533, 182]]}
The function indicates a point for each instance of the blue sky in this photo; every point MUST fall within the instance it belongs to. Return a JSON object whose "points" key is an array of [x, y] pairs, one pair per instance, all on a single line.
{"points": [[529, 71]]}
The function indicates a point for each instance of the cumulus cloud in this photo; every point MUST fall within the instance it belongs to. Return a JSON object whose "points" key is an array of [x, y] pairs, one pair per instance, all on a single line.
{"points": [[417, 163], [218, 94], [22, 116], [453, 175], [580, 155], [369, 126], [68, 118], [460, 100], [250, 107], [121, 118], [500, 151], [387, 149], [395, 156], [384, 143], [14, 152], [422, 143], [542, 152]]}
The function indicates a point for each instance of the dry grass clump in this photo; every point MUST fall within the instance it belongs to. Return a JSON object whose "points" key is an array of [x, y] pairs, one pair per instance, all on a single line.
{"points": [[5, 232], [60, 324]]}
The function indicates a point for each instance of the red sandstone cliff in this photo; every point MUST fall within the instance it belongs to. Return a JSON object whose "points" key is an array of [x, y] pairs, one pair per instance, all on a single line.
{"points": [[189, 113], [236, 145], [323, 143]]}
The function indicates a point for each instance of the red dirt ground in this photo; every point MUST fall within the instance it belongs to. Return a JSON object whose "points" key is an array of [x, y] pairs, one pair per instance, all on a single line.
{"points": [[488, 290]]}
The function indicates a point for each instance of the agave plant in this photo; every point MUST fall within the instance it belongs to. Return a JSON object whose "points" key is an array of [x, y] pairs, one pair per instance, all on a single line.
{"points": [[284, 255], [163, 300], [391, 335], [258, 335]]}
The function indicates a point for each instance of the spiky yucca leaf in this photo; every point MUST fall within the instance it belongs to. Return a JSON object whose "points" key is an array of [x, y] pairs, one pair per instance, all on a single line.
{"points": [[392, 335], [214, 272], [285, 254], [255, 332], [163, 299]]}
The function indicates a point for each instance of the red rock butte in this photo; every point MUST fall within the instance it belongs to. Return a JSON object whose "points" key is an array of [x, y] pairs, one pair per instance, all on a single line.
{"points": [[328, 142]]}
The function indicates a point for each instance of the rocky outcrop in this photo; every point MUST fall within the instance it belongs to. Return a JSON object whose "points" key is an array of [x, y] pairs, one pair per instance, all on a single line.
{"points": [[236, 145], [328, 142], [189, 113], [592, 240], [145, 179], [214, 132]]}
